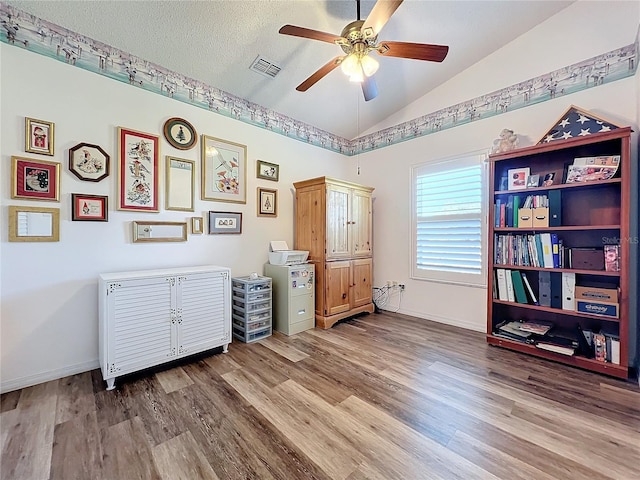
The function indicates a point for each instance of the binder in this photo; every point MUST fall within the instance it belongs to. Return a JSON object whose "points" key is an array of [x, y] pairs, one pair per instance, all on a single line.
{"points": [[529, 289], [547, 249], [544, 288], [510, 293], [556, 289], [502, 284], [555, 208], [615, 351], [568, 291], [555, 250], [518, 287], [516, 209]]}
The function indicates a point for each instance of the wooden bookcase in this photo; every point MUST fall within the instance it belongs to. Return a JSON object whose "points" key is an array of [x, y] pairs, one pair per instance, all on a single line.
{"points": [[592, 214]]}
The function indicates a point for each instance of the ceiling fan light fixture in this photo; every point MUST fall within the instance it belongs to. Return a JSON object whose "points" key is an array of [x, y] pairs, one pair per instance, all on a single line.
{"points": [[357, 77], [369, 65], [350, 65]]}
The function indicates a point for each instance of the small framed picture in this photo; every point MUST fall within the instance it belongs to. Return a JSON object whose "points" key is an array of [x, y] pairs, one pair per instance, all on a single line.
{"points": [[180, 133], [89, 162], [548, 179], [533, 181], [225, 222], [34, 224], [38, 136], [267, 202], [196, 225], [268, 171], [518, 178], [89, 208], [35, 179]]}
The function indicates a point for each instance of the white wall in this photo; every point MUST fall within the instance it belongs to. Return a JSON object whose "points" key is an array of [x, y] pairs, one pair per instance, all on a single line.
{"points": [[581, 31], [49, 316]]}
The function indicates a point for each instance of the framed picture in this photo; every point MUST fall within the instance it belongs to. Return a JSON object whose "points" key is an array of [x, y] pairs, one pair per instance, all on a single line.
{"points": [[533, 181], [144, 231], [38, 136], [180, 133], [548, 179], [180, 184], [225, 222], [89, 208], [267, 202], [268, 171], [224, 171], [34, 224], [137, 171], [35, 179], [89, 162], [518, 178], [196, 225]]}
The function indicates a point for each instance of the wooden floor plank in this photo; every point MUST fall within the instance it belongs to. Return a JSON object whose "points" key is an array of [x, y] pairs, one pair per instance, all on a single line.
{"points": [[380, 397]]}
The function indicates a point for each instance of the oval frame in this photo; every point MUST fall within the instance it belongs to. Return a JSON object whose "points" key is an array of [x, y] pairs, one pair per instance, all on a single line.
{"points": [[88, 177], [171, 136]]}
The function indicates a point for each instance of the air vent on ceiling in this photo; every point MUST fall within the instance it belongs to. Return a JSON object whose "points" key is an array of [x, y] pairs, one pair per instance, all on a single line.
{"points": [[265, 67]]}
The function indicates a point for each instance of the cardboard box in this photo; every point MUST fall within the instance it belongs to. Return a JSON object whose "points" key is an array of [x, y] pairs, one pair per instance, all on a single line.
{"points": [[540, 217], [597, 308], [525, 218], [593, 294]]}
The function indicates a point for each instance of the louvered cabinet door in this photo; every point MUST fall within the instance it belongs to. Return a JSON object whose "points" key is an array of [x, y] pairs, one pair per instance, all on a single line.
{"points": [[141, 324], [203, 312]]}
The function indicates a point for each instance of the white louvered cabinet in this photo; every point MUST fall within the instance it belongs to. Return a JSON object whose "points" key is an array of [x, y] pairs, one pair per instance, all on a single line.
{"points": [[156, 316]]}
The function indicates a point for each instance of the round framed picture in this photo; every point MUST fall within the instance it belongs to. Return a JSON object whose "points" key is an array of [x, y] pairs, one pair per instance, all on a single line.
{"points": [[180, 133]]}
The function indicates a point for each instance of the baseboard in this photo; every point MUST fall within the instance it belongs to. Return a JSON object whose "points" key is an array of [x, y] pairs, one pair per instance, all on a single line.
{"points": [[31, 380], [454, 322]]}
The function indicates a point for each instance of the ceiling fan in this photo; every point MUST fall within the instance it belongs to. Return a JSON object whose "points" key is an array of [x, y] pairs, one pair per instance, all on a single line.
{"points": [[357, 40]]}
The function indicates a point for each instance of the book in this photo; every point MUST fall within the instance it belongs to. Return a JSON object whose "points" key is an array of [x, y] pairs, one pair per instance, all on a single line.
{"points": [[539, 328], [600, 346], [534, 300], [612, 258], [513, 329], [510, 293], [551, 347], [518, 287], [502, 284]]}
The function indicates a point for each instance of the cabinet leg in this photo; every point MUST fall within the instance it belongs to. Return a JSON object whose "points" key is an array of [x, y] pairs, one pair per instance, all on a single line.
{"points": [[111, 383], [225, 348]]}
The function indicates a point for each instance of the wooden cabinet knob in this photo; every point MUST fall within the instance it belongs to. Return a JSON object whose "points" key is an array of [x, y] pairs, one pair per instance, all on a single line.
{"points": [[344, 295]]}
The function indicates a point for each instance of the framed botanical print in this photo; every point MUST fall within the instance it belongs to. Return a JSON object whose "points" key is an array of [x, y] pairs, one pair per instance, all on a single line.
{"points": [[180, 133], [89, 162], [89, 208], [224, 170], [137, 171], [38, 136], [35, 179], [267, 202]]}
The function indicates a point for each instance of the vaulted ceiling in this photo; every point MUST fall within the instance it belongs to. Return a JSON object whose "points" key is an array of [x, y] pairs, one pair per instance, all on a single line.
{"points": [[216, 42]]}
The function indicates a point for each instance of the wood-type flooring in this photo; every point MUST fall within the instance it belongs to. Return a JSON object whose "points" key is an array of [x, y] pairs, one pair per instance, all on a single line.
{"points": [[381, 396]]}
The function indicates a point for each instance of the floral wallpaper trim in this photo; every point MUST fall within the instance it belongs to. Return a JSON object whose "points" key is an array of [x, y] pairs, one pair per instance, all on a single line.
{"points": [[40, 36]]}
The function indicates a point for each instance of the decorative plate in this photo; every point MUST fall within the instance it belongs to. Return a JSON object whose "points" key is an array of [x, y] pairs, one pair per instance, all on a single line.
{"points": [[180, 133]]}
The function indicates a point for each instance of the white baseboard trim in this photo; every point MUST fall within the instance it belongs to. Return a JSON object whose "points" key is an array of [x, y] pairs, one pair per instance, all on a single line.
{"points": [[28, 381], [454, 322]]}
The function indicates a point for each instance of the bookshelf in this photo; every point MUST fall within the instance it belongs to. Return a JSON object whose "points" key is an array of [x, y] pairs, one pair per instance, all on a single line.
{"points": [[588, 216]]}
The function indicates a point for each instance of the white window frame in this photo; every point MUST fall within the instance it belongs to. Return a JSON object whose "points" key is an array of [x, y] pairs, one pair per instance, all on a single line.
{"points": [[440, 165]]}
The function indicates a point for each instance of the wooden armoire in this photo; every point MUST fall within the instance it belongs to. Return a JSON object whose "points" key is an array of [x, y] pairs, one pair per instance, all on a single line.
{"points": [[334, 223]]}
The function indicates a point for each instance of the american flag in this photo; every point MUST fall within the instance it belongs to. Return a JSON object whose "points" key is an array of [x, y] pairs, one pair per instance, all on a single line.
{"points": [[576, 123]]}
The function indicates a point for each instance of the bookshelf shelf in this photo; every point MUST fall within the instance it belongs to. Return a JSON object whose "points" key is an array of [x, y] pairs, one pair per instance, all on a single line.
{"points": [[588, 216]]}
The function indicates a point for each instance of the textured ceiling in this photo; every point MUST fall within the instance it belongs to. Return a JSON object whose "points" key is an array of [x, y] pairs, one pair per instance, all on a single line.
{"points": [[216, 42]]}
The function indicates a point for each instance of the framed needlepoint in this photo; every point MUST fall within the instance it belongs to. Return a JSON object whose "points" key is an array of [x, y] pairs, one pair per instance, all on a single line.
{"points": [[38, 136], [137, 171], [90, 208], [35, 179]]}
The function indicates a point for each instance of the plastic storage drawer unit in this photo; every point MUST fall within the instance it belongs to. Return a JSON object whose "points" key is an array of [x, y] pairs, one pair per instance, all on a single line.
{"points": [[251, 304]]}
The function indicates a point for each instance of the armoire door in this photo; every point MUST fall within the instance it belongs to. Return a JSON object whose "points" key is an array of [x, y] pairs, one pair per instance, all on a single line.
{"points": [[337, 287], [338, 218], [362, 272], [361, 220]]}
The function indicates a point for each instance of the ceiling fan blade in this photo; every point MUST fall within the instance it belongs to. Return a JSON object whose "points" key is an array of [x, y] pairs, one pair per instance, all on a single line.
{"points": [[417, 51], [369, 88], [308, 33], [379, 16], [319, 74]]}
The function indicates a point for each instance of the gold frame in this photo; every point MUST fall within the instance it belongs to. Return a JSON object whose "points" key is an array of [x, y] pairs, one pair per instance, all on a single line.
{"points": [[28, 146], [261, 211], [52, 167], [14, 236], [197, 225], [212, 146], [178, 185], [140, 237]]}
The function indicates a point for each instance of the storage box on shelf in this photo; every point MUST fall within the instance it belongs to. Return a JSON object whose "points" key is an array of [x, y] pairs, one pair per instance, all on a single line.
{"points": [[251, 303], [539, 255]]}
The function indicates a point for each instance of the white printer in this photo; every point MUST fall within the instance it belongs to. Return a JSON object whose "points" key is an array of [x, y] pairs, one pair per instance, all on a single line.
{"points": [[279, 254]]}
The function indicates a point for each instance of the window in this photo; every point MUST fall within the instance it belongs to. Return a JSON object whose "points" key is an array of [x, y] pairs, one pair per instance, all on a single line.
{"points": [[449, 220]]}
